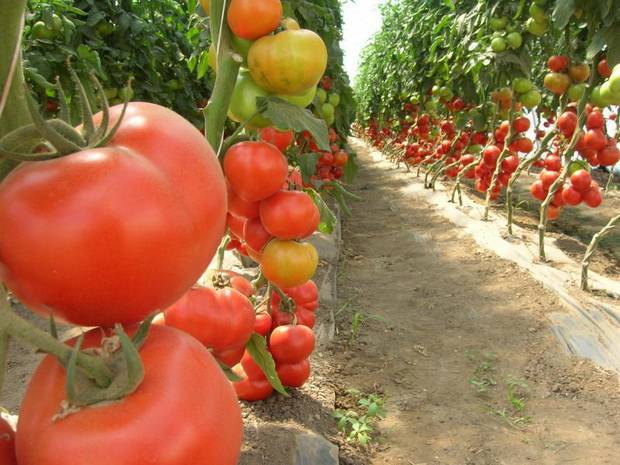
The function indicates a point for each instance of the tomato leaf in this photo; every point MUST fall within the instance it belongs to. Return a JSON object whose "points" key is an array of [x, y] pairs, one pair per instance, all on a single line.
{"points": [[328, 219], [257, 348], [231, 375], [285, 115], [307, 165], [563, 12]]}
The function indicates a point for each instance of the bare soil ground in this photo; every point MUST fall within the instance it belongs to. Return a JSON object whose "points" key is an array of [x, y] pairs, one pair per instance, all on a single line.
{"points": [[450, 332]]}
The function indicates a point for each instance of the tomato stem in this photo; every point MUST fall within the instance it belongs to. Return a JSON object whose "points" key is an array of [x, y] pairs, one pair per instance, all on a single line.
{"points": [[585, 264], [18, 328], [228, 64]]}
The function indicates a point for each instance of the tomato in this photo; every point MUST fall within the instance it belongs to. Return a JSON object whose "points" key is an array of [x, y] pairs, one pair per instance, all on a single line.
{"points": [[288, 263], [294, 375], [592, 197], [289, 63], [236, 225], [531, 99], [491, 154], [306, 295], [567, 123], [603, 69], [291, 344], [595, 120], [557, 83], [553, 213], [523, 145], [579, 72], [341, 158], [548, 178], [301, 316], [251, 390], [237, 282], [222, 320], [255, 234], [250, 19], [581, 180], [7, 444], [281, 139], [595, 139], [184, 398], [255, 170], [521, 124], [571, 196], [558, 199], [510, 164], [243, 105], [557, 63], [538, 191], [263, 323], [111, 234], [241, 208], [289, 215], [609, 156]]}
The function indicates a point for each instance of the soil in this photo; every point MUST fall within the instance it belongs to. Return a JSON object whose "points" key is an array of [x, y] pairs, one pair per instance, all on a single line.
{"points": [[442, 315]]}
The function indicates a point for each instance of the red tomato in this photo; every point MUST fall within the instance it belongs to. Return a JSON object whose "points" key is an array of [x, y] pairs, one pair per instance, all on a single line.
{"points": [[581, 180], [595, 120], [538, 191], [291, 344], [548, 178], [238, 282], [567, 123], [592, 197], [491, 154], [294, 375], [281, 139], [255, 234], [302, 316], [341, 158], [255, 170], [250, 19], [571, 196], [127, 228], [251, 368], [289, 215], [603, 69], [558, 200], [222, 320], [609, 156], [263, 322], [239, 207], [595, 139], [521, 124], [523, 145], [553, 213], [553, 163], [7, 444], [184, 398], [236, 224], [306, 295], [251, 390], [558, 63]]}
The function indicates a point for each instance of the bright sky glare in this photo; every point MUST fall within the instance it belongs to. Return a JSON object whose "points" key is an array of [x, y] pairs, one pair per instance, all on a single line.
{"points": [[362, 20]]}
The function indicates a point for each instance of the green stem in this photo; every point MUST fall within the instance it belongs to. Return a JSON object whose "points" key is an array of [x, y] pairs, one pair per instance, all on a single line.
{"points": [[585, 264], [228, 64], [18, 328]]}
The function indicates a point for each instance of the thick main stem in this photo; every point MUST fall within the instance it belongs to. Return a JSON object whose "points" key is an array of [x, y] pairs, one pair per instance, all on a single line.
{"points": [[596, 239], [228, 64], [20, 329]]}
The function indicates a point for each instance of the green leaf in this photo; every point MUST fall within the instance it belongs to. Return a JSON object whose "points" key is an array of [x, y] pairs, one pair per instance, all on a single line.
{"points": [[307, 165], [328, 218], [596, 44], [231, 375], [563, 12], [285, 115], [257, 348], [613, 45]]}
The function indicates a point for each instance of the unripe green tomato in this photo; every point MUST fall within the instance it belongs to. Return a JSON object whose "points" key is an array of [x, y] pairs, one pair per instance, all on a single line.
{"points": [[435, 90], [302, 100], [126, 93], [597, 99], [415, 99], [327, 109], [498, 45], [498, 24], [614, 80], [536, 28], [522, 85], [334, 99], [430, 105], [538, 13], [56, 23], [40, 31], [321, 95], [531, 99], [575, 92], [511, 28], [446, 93], [515, 40], [111, 93], [609, 95]]}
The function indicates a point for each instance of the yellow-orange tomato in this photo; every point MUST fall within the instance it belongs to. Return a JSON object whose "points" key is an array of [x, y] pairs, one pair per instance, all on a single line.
{"points": [[579, 72], [206, 5], [557, 83], [288, 63], [289, 263], [251, 19]]}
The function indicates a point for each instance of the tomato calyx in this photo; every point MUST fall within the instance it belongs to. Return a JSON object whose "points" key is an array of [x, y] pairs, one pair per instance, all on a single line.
{"points": [[49, 139], [287, 304], [120, 354]]}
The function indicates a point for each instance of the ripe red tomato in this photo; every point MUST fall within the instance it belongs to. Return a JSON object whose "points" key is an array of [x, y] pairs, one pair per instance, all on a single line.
{"points": [[184, 398], [127, 228], [521, 124], [538, 191], [289, 215], [592, 197], [341, 158], [557, 63], [553, 163], [263, 323], [222, 320], [250, 19], [239, 207], [491, 154], [281, 139], [553, 213], [595, 120], [251, 390], [581, 180], [7, 444], [571, 196], [236, 225], [294, 375], [291, 344], [595, 139], [548, 177], [603, 68], [255, 234], [558, 200], [306, 295], [523, 145], [302, 316], [255, 170], [289, 263], [609, 156], [251, 368], [567, 123], [238, 282]]}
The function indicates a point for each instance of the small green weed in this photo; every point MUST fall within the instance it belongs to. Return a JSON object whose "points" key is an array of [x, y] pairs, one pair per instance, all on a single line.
{"points": [[357, 425]]}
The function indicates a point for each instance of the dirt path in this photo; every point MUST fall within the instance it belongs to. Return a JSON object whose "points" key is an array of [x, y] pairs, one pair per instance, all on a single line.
{"points": [[450, 331]]}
